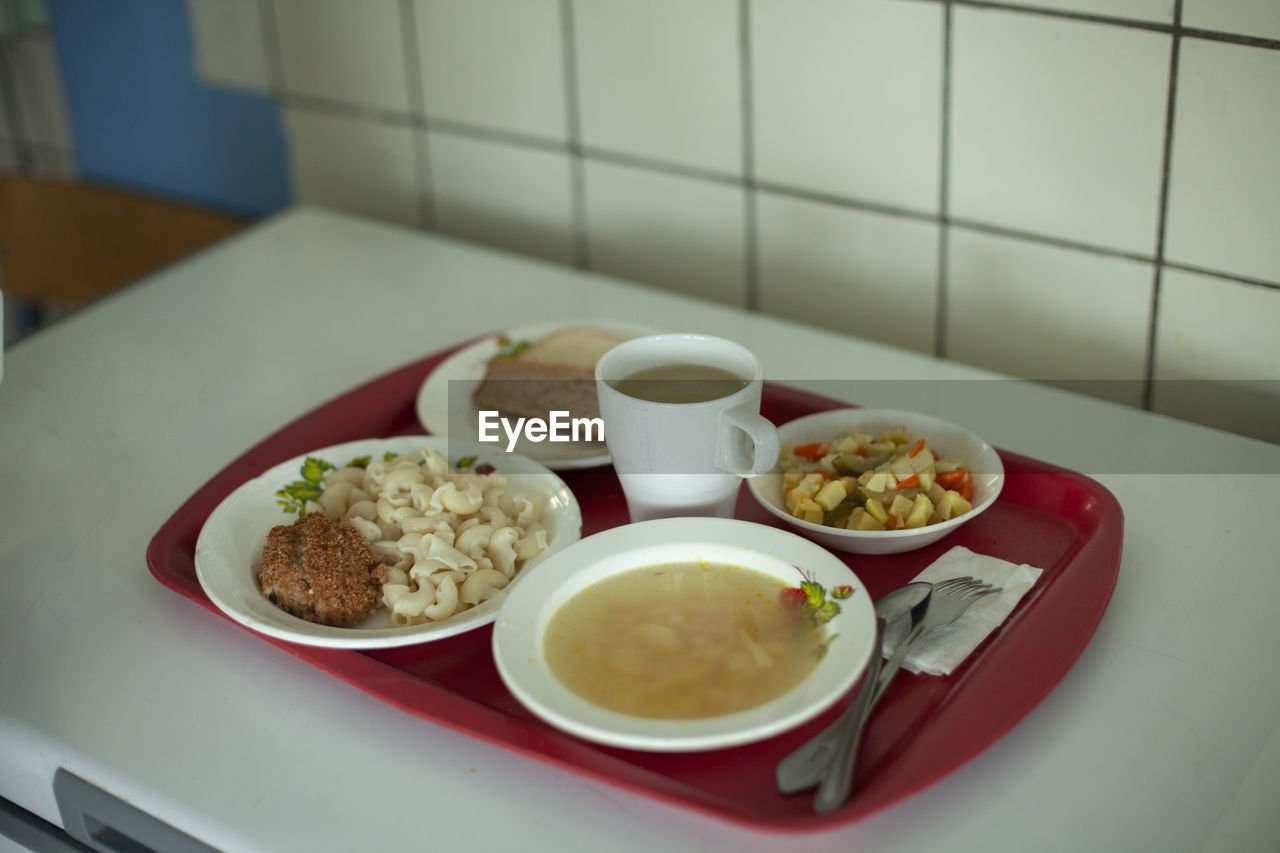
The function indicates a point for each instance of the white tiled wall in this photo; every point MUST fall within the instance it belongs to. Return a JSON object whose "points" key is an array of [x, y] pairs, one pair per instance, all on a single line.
{"points": [[1057, 127], [661, 80], [865, 273], [493, 63], [352, 164], [1197, 312], [232, 49], [699, 224], [348, 52], [1057, 313], [509, 196], [1224, 203], [847, 98], [1058, 189]]}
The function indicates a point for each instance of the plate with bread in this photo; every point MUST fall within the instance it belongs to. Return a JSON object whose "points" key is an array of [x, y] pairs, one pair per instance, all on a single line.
{"points": [[525, 372]]}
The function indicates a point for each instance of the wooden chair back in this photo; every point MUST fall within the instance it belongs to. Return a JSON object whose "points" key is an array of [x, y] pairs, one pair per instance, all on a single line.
{"points": [[69, 243]]}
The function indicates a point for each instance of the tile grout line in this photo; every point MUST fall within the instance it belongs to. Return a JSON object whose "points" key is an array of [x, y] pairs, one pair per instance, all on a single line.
{"points": [[1125, 23], [274, 56], [271, 47], [383, 115], [428, 216], [1048, 240], [750, 235], [844, 202], [1230, 38], [678, 170], [1162, 221], [502, 137], [573, 132], [944, 189], [1235, 278], [1064, 14], [22, 146]]}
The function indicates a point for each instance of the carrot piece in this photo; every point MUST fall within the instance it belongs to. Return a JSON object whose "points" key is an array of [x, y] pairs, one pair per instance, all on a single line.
{"points": [[965, 487], [915, 449], [949, 479], [895, 523], [913, 480], [816, 450]]}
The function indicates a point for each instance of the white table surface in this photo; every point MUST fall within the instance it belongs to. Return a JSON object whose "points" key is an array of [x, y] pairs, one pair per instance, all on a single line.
{"points": [[1162, 737]]}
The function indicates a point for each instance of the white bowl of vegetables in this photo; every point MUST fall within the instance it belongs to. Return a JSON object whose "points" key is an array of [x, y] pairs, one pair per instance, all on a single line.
{"points": [[879, 481]]}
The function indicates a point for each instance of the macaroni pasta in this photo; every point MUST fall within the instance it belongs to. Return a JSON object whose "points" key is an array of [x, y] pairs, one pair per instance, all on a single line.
{"points": [[449, 539]]}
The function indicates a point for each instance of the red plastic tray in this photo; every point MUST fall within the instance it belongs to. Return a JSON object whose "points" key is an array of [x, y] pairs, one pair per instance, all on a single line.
{"points": [[1057, 520]]}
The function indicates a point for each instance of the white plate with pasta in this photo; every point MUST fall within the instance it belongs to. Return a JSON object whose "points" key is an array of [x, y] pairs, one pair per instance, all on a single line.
{"points": [[453, 538], [444, 403]]}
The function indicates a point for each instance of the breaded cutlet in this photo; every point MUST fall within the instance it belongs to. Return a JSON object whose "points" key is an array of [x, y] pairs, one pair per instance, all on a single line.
{"points": [[320, 569]]}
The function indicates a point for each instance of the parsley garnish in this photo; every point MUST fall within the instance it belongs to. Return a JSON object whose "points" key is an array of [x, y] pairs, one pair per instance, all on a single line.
{"points": [[509, 348], [470, 462], [295, 496]]}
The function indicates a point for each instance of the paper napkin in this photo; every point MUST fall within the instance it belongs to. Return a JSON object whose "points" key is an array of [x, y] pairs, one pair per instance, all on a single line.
{"points": [[945, 648]]}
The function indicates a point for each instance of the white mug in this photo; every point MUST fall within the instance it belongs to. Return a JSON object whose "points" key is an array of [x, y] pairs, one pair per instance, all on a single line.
{"points": [[683, 458]]}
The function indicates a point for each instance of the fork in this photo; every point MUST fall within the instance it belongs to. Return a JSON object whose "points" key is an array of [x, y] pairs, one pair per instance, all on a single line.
{"points": [[806, 766], [948, 602]]}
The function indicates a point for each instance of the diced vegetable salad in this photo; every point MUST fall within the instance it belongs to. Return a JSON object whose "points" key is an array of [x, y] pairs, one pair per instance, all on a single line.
{"points": [[892, 481]]}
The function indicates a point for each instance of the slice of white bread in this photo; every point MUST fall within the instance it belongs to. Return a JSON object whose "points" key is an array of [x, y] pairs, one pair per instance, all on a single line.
{"points": [[553, 373], [580, 348]]}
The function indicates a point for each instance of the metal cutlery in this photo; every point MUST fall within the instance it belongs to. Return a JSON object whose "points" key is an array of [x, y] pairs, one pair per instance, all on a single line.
{"points": [[804, 768], [828, 759]]}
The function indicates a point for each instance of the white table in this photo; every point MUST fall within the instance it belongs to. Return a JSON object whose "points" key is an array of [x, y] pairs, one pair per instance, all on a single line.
{"points": [[1162, 737]]}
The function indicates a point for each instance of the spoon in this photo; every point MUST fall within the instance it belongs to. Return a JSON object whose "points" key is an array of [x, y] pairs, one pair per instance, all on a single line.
{"points": [[946, 602], [805, 767], [837, 777]]}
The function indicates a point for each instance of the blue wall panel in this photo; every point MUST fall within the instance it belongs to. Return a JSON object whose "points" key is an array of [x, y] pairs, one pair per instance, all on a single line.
{"points": [[141, 118]]}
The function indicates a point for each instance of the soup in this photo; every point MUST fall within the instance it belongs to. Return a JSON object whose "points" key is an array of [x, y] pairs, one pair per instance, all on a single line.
{"points": [[680, 383], [681, 641]]}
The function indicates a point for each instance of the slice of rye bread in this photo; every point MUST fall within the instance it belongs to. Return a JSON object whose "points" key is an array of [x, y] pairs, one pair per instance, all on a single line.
{"points": [[554, 373]]}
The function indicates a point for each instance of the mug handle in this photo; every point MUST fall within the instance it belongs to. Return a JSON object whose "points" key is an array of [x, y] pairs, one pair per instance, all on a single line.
{"points": [[757, 454]]}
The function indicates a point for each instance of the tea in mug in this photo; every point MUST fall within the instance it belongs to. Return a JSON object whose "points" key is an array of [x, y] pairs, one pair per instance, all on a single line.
{"points": [[680, 383]]}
